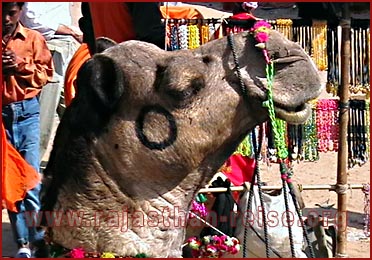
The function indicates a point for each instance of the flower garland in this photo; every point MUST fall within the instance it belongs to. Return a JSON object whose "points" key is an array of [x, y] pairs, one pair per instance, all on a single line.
{"points": [[58, 251], [198, 206], [260, 31], [213, 246]]}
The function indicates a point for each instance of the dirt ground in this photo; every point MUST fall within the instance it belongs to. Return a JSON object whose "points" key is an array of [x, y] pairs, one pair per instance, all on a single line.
{"points": [[323, 171]]}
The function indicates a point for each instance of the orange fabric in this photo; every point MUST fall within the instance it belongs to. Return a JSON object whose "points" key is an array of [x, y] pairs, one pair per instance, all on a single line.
{"points": [[18, 176], [35, 65], [112, 20], [81, 55], [180, 12]]}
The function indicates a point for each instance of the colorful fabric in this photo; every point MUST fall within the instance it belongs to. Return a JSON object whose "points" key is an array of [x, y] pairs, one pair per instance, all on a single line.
{"points": [[239, 169], [112, 20], [18, 176], [80, 57], [35, 65], [180, 12]]}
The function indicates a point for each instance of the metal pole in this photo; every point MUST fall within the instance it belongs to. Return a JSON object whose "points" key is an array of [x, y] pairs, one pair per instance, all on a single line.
{"points": [[343, 123]]}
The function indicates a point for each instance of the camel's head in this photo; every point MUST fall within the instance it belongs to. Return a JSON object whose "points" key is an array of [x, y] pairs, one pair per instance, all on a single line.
{"points": [[184, 110], [149, 127]]}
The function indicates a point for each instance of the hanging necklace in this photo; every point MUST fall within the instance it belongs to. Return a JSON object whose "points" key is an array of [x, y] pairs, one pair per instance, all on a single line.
{"points": [[183, 36], [205, 33], [319, 44], [310, 145], [174, 38], [193, 36]]}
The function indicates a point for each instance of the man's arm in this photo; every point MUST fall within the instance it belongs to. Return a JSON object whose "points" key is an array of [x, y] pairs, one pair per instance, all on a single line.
{"points": [[29, 19]]}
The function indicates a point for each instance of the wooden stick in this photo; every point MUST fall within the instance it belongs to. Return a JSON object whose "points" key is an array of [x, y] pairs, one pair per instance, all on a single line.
{"points": [[330, 187]]}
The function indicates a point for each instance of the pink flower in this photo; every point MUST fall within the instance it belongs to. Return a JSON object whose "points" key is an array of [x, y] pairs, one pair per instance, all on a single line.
{"points": [[261, 23], [262, 37], [77, 253]]}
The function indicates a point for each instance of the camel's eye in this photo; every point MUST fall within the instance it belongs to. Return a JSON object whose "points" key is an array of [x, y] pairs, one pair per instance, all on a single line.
{"points": [[189, 88]]}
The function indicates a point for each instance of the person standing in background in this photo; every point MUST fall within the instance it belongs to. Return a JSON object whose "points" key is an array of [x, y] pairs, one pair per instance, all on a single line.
{"points": [[122, 21], [27, 66], [58, 23], [50, 19]]}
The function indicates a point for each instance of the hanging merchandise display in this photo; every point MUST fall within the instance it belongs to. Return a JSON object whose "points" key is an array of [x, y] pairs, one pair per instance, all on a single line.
{"points": [[204, 33], [183, 37], [359, 58], [357, 134], [174, 37], [327, 124], [333, 77], [302, 35], [294, 141], [366, 190], [284, 26], [309, 150], [368, 107], [359, 74], [319, 44], [193, 36]]}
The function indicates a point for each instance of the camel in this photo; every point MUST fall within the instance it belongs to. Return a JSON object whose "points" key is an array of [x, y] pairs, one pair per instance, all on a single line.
{"points": [[148, 128]]}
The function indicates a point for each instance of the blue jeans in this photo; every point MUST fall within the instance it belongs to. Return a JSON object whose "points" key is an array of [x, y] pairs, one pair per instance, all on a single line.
{"points": [[22, 125]]}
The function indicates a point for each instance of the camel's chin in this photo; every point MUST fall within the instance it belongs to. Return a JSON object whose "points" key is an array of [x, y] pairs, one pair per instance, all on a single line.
{"points": [[294, 117]]}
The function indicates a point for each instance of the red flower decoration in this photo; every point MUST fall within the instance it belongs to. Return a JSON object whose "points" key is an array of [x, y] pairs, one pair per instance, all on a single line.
{"points": [[77, 253]]}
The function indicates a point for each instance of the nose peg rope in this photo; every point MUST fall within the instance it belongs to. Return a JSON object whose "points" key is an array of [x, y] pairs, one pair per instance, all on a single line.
{"points": [[260, 31]]}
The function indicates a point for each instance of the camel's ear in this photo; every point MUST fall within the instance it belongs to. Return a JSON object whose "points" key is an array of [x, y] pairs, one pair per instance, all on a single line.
{"points": [[100, 82]]}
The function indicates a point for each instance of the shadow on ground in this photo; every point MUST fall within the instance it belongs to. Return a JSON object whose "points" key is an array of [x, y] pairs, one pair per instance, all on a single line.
{"points": [[353, 219]]}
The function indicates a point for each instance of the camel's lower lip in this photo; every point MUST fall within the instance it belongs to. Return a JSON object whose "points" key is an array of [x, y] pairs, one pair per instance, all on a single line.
{"points": [[294, 117]]}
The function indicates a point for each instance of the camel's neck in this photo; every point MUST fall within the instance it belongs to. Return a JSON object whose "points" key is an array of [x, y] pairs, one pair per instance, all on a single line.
{"points": [[125, 216]]}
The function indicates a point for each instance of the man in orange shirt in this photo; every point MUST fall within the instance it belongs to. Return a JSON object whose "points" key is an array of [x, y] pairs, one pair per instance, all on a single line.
{"points": [[26, 67]]}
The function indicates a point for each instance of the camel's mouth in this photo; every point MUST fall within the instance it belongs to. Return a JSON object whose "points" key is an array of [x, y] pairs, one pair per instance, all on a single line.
{"points": [[294, 115], [288, 59]]}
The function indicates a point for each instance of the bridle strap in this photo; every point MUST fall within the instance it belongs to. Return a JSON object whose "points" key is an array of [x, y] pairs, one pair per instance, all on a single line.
{"points": [[243, 88]]}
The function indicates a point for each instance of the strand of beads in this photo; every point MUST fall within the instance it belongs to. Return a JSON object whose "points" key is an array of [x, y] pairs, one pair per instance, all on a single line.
{"points": [[245, 147], [183, 37], [367, 128], [366, 189], [310, 146], [327, 125], [193, 36], [212, 30], [205, 33], [319, 44], [285, 27], [174, 38]]}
